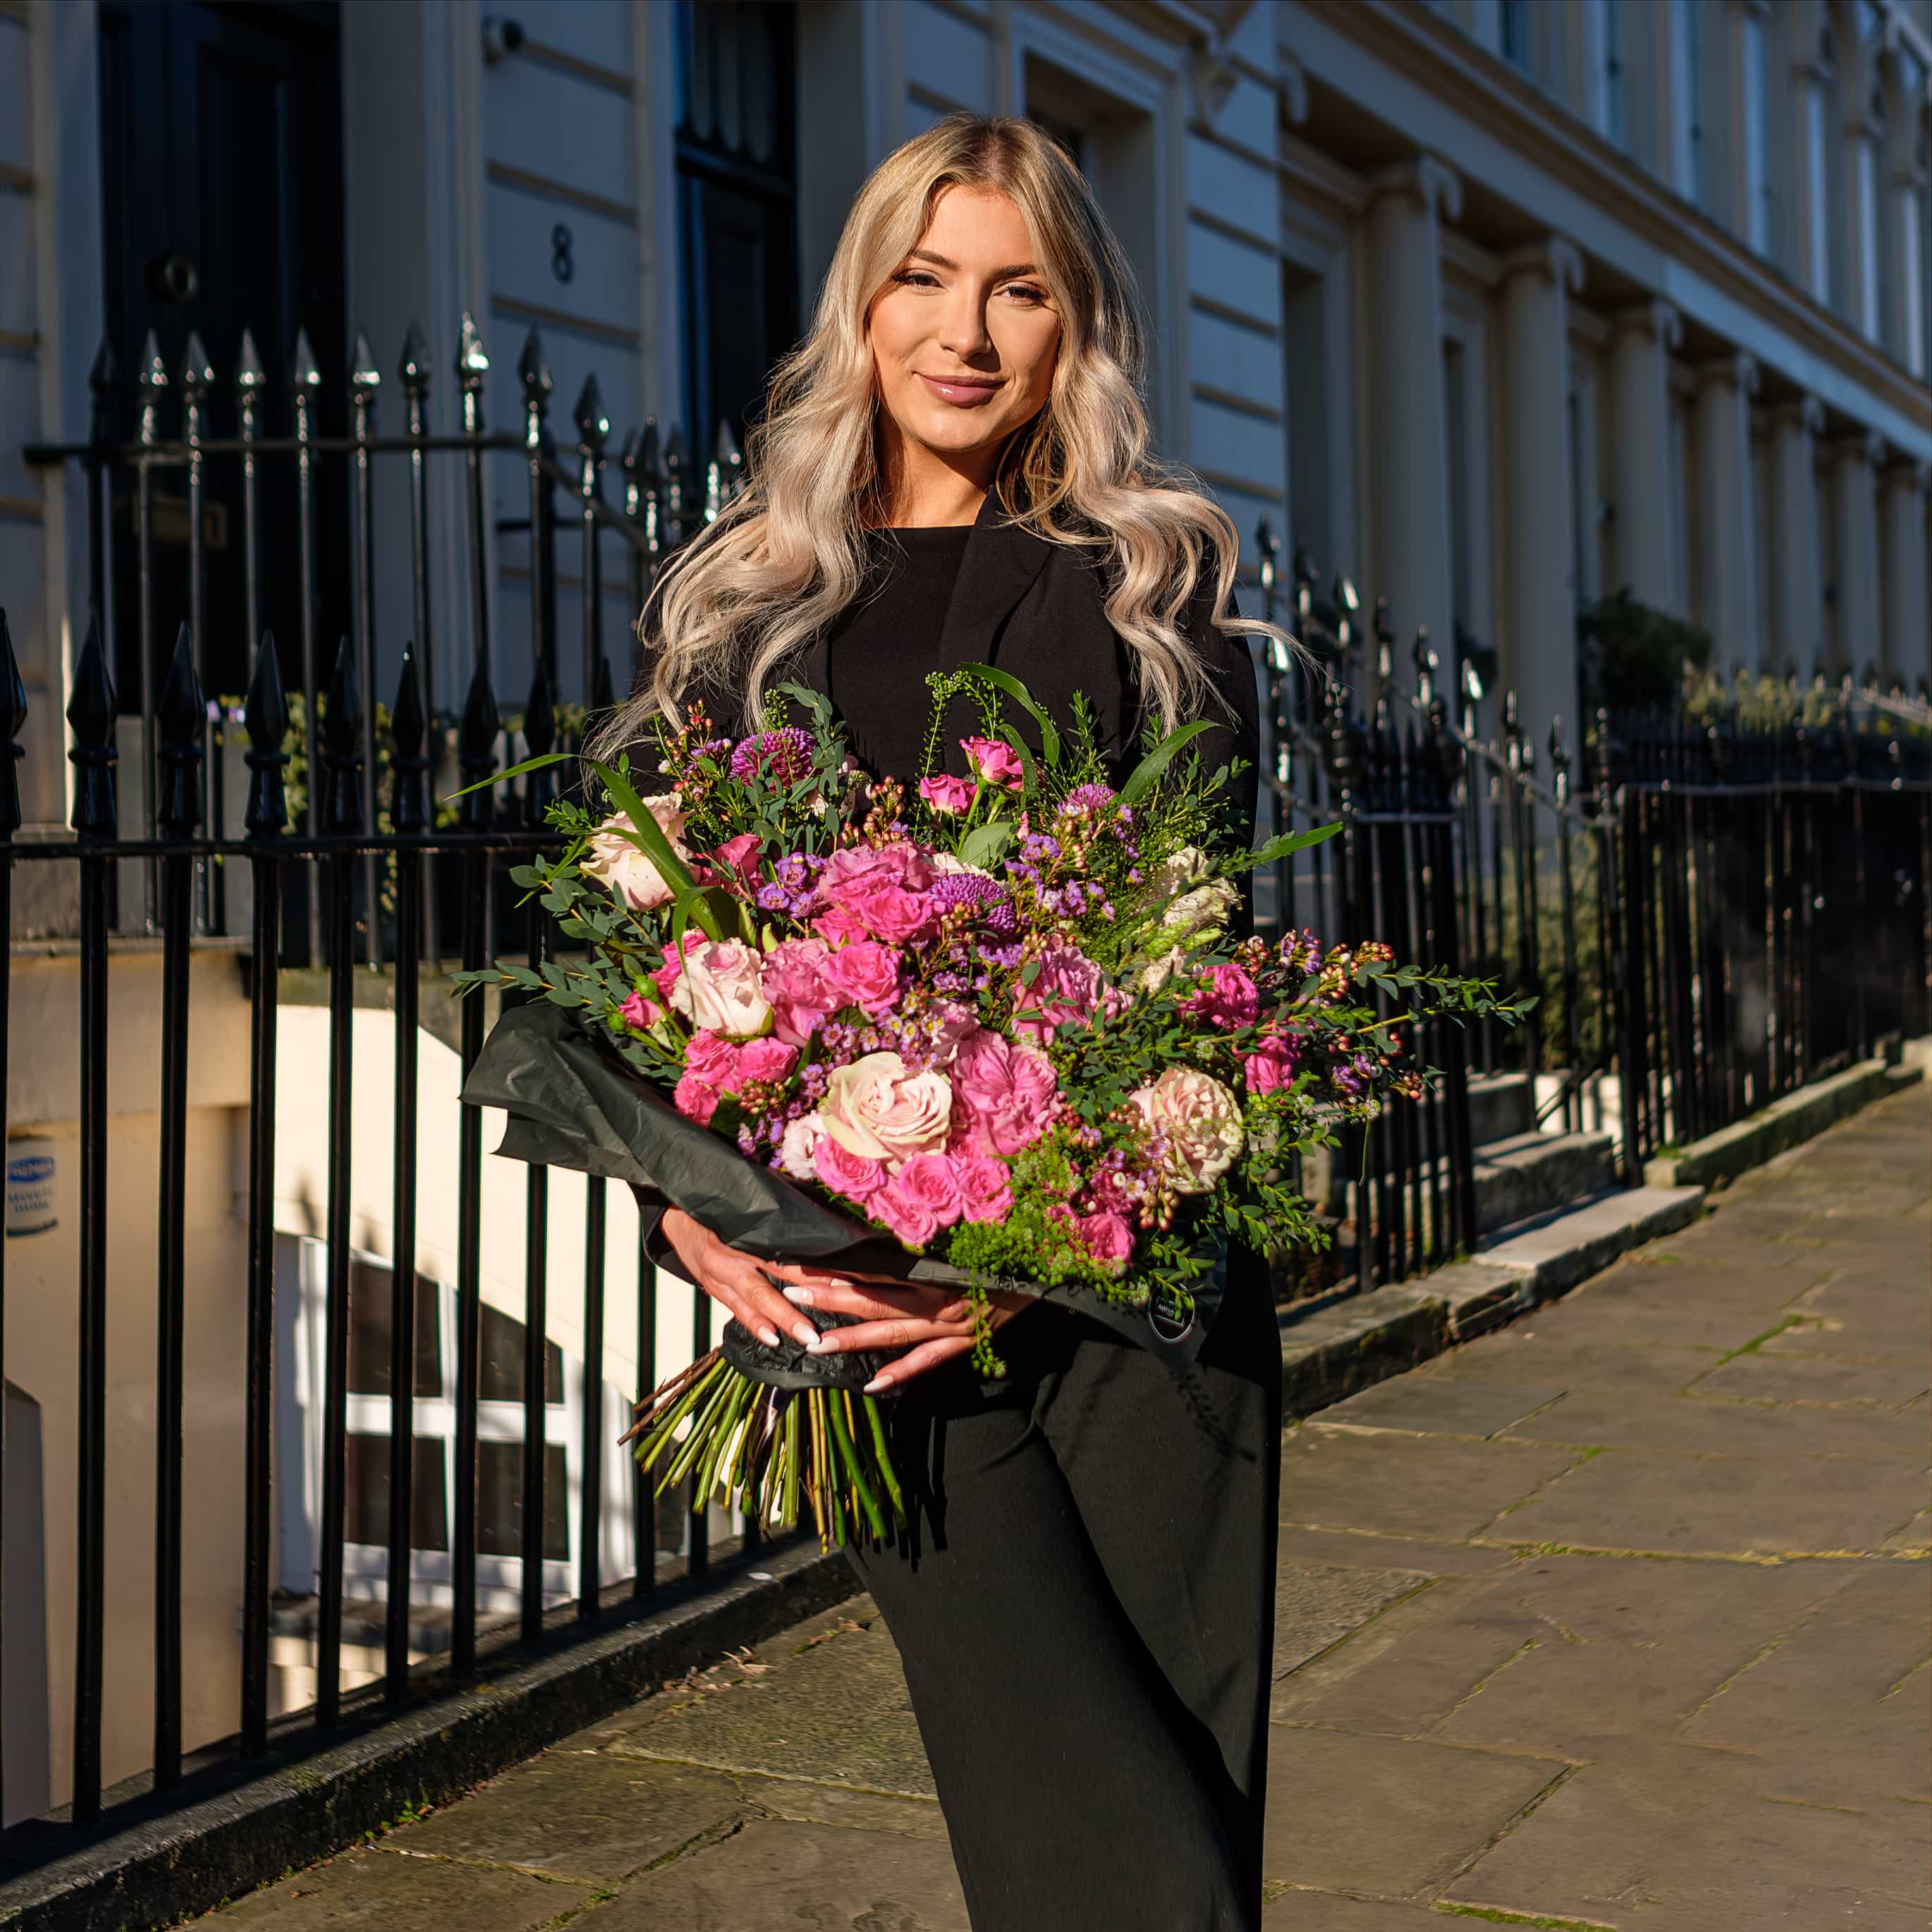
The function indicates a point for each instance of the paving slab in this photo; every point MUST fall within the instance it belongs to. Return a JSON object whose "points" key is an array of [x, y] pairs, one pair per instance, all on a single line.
{"points": [[1686, 1425], [1363, 1548], [1627, 1499], [1398, 1482], [376, 1891], [596, 1820], [840, 1712], [811, 1803], [1437, 1405], [1680, 1838], [777, 1875], [1539, 1354], [1387, 1815], [1317, 1605], [1302, 1911], [1761, 1376]]}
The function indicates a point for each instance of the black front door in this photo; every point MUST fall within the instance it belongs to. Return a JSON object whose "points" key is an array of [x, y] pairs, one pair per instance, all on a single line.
{"points": [[221, 171]]}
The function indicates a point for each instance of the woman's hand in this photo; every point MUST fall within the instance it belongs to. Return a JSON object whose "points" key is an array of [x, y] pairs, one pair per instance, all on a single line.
{"points": [[740, 1282], [933, 1325]]}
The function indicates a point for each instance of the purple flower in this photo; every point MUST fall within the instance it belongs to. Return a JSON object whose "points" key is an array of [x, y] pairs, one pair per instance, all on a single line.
{"points": [[784, 756]]}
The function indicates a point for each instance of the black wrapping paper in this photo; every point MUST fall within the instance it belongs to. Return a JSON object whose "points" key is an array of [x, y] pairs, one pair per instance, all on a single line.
{"points": [[571, 1103]]}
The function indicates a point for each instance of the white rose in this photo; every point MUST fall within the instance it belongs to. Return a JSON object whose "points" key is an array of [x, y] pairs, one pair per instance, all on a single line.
{"points": [[611, 861], [1204, 909], [1180, 870], [721, 989], [1157, 973], [1201, 1121], [795, 1150]]}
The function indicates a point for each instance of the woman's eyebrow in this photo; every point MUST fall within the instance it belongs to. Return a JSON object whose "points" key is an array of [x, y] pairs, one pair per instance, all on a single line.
{"points": [[998, 275]]}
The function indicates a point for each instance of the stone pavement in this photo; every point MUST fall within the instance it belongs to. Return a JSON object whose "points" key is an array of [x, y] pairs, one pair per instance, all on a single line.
{"points": [[1615, 1617]]}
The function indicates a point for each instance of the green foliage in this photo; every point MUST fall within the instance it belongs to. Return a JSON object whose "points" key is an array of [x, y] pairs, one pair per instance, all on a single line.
{"points": [[1642, 655]]}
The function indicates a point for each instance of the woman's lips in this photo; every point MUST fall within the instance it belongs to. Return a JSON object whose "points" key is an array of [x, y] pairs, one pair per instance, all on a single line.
{"points": [[965, 394]]}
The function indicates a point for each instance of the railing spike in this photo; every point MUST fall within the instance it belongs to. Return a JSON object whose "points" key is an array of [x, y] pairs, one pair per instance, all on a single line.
{"points": [[154, 373], [305, 372], [180, 720], [250, 378], [409, 809], [266, 716], [365, 378], [593, 423], [14, 716], [473, 359], [90, 714], [539, 739], [532, 369], [414, 368], [476, 747], [650, 456], [197, 373], [106, 371], [342, 744]]}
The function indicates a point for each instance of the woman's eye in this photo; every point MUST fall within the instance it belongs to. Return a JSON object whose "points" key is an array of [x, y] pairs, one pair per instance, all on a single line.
{"points": [[1029, 295], [912, 277]]}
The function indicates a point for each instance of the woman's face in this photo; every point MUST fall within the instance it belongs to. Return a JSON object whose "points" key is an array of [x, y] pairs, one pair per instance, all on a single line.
{"points": [[965, 335]]}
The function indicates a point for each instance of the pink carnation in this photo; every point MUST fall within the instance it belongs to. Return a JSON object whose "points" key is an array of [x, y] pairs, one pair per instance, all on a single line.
{"points": [[933, 1181], [1272, 1065], [795, 982], [994, 762], [864, 974], [695, 1100], [851, 1175], [711, 1060], [986, 1187], [946, 795], [1228, 999], [908, 1217], [1003, 1095]]}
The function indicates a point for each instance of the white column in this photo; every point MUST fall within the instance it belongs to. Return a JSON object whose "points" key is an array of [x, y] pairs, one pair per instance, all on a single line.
{"points": [[1859, 188], [1729, 575], [1855, 589], [1408, 492], [1810, 160], [1640, 349], [1796, 618], [1539, 644], [1906, 625], [1902, 242]]}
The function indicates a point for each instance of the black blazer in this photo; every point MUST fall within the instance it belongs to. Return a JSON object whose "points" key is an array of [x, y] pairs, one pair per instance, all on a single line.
{"points": [[1034, 608]]}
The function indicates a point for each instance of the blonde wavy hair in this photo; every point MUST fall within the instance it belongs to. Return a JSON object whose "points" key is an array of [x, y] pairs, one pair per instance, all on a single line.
{"points": [[787, 554]]}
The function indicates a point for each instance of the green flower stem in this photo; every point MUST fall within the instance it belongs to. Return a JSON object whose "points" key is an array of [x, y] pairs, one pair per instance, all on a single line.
{"points": [[790, 1512], [694, 1445], [724, 1433], [887, 1474], [849, 1449], [662, 1430]]}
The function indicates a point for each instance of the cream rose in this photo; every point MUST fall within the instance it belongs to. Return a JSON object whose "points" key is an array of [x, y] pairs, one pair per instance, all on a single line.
{"points": [[1204, 909], [614, 863], [721, 990], [875, 1109], [1201, 1121]]}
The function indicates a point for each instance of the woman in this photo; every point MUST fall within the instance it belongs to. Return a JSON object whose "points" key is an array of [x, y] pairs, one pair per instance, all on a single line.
{"points": [[953, 468]]}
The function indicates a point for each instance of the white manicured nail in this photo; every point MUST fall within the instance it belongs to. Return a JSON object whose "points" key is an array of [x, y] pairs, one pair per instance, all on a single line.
{"points": [[801, 1297]]}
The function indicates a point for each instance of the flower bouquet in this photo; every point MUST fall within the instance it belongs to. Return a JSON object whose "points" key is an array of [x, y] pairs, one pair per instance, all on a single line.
{"points": [[992, 1031]]}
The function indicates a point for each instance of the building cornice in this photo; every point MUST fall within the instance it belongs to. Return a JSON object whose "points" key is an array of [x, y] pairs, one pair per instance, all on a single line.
{"points": [[1438, 58]]}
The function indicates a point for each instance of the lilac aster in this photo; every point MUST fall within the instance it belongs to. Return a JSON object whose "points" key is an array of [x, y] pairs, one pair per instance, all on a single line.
{"points": [[784, 755]]}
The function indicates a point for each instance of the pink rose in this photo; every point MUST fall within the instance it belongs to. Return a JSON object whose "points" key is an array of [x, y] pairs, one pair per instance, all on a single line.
{"points": [[736, 854], [765, 1059], [1069, 986], [1272, 1065], [877, 1107], [948, 795], [1201, 1121], [895, 915], [639, 1013], [842, 926], [986, 1187], [722, 988], [1227, 999], [801, 996], [994, 762], [932, 1179], [1105, 1236], [866, 975], [855, 870], [612, 861], [854, 1175], [695, 1100], [799, 1144], [711, 1061], [907, 1216], [1003, 1095]]}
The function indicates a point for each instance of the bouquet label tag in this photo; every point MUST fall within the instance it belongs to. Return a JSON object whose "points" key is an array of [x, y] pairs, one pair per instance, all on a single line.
{"points": [[1170, 1311]]}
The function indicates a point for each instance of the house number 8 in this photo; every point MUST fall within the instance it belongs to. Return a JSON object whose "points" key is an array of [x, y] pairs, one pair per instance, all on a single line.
{"points": [[561, 264]]}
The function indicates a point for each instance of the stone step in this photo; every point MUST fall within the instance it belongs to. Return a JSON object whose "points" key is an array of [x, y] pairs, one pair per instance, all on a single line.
{"points": [[1500, 1105], [1523, 1174]]}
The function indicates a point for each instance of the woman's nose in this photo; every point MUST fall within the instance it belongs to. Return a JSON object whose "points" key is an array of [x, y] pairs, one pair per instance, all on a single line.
{"points": [[962, 329]]}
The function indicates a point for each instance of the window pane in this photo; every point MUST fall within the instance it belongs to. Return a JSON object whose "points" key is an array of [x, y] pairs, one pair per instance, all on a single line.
{"points": [[499, 1500], [370, 1284], [502, 1377], [367, 1516]]}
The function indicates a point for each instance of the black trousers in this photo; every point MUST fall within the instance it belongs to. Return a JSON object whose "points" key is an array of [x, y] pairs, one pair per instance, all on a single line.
{"points": [[1085, 1607]]}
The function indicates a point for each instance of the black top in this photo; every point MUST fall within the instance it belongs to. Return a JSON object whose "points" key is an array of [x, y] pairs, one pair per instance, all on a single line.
{"points": [[881, 646]]}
